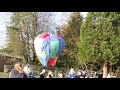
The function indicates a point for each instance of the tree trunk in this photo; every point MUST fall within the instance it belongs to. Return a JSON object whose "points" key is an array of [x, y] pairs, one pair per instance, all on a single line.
{"points": [[86, 69]]}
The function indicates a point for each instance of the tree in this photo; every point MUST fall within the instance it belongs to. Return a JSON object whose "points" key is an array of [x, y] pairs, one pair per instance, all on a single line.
{"points": [[17, 41], [45, 22], [71, 33], [99, 39], [23, 29]]}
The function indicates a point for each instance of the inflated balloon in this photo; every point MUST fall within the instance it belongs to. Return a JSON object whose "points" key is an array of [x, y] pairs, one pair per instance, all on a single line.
{"points": [[48, 48]]}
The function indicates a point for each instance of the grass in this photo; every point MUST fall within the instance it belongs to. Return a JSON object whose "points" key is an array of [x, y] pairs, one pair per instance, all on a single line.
{"points": [[4, 75]]}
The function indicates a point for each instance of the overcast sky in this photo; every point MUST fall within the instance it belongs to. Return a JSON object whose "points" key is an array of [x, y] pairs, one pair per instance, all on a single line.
{"points": [[5, 18]]}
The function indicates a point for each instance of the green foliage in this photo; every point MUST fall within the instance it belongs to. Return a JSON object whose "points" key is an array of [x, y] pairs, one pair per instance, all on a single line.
{"points": [[100, 38], [71, 33], [15, 45], [4, 75], [19, 33]]}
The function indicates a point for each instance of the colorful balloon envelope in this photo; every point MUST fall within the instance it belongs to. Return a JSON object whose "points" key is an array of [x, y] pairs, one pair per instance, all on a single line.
{"points": [[48, 48]]}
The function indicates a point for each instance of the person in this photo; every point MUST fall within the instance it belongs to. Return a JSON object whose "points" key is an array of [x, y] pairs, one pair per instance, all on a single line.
{"points": [[71, 73], [112, 75], [84, 74], [100, 75], [79, 73], [42, 74], [92, 75], [60, 75], [105, 71], [28, 70], [49, 74], [95, 74], [17, 72], [108, 75]]}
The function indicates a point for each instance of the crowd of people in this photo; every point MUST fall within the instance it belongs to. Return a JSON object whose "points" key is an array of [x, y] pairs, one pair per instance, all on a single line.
{"points": [[27, 72], [20, 72]]}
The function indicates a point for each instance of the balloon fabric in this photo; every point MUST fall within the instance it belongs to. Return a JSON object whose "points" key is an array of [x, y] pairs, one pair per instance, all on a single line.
{"points": [[48, 48]]}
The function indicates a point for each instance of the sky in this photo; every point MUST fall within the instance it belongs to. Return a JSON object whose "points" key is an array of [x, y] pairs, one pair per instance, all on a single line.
{"points": [[5, 19]]}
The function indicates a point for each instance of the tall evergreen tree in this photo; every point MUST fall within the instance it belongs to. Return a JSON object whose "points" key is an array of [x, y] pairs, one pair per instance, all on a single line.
{"points": [[71, 33], [99, 38]]}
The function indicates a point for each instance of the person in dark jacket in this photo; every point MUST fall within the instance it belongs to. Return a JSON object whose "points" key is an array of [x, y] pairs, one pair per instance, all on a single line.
{"points": [[17, 72]]}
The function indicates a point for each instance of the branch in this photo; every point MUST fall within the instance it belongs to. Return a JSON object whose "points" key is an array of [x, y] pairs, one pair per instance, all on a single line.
{"points": [[78, 60]]}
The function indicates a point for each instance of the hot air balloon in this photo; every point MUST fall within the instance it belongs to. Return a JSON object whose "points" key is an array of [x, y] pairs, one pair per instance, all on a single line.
{"points": [[48, 48]]}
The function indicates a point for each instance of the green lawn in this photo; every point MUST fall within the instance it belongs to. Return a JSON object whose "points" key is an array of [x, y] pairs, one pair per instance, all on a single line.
{"points": [[3, 75]]}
